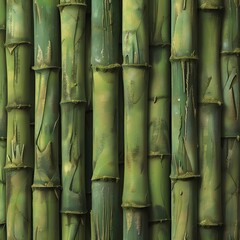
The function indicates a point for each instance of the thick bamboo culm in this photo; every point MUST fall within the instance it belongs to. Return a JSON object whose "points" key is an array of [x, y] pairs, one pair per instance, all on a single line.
{"points": [[210, 104], [46, 185], [135, 111], [105, 184], [73, 103], [230, 76], [159, 150], [3, 119], [184, 166]]}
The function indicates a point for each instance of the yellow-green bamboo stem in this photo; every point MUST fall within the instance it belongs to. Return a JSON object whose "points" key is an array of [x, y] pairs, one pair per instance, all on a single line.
{"points": [[73, 103], [3, 119], [184, 167], [19, 162], [46, 184], [135, 44]]}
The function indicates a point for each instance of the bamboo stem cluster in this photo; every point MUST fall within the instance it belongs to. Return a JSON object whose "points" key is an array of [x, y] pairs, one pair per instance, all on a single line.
{"points": [[117, 168]]}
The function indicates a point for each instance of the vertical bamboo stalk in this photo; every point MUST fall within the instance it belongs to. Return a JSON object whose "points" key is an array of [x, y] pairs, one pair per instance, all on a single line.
{"points": [[3, 119], [159, 150], [210, 101], [184, 167], [19, 161], [105, 35], [135, 43], [46, 173], [230, 76], [89, 121], [73, 104]]}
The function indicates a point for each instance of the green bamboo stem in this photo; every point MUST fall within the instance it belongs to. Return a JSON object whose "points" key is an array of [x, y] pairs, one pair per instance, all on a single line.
{"points": [[3, 119], [210, 101], [19, 162], [105, 187], [73, 103], [135, 44], [159, 160], [230, 77], [46, 184], [184, 167]]}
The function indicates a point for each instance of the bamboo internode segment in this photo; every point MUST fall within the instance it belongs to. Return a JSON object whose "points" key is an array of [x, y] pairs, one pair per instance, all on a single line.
{"points": [[46, 173], [73, 104], [3, 119], [210, 100], [184, 166], [159, 150]]}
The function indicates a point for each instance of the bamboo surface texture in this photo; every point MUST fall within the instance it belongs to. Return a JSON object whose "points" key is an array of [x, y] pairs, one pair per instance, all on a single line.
{"points": [[119, 119]]}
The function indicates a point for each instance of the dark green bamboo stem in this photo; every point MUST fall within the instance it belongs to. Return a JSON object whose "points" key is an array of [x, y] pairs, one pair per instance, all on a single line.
{"points": [[89, 122], [46, 184], [230, 76], [135, 43], [73, 103], [105, 35], [210, 102], [159, 160], [19, 162], [3, 119], [184, 167]]}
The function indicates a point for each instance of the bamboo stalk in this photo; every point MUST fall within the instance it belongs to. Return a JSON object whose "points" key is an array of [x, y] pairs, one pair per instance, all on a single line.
{"points": [[230, 77], [73, 103], [19, 161], [105, 187], [89, 121], [210, 101], [3, 120], [46, 184], [184, 167], [159, 151], [135, 44]]}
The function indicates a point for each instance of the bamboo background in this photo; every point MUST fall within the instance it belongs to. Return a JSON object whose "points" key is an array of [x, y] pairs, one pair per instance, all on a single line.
{"points": [[119, 119]]}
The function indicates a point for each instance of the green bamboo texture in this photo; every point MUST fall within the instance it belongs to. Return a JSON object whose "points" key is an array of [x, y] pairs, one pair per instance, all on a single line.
{"points": [[89, 122], [73, 103], [159, 150], [19, 156], [135, 49], [230, 77], [184, 167], [3, 119], [46, 184], [104, 50], [210, 102]]}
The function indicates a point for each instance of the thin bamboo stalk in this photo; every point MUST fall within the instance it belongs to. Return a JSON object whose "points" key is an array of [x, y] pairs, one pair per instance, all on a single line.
{"points": [[184, 167], [19, 161], [135, 44], [210, 102], [3, 119], [89, 121], [230, 76], [73, 103], [46, 184], [159, 150], [105, 187]]}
